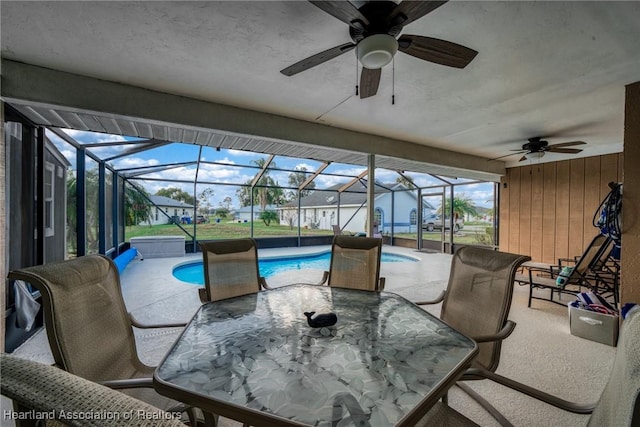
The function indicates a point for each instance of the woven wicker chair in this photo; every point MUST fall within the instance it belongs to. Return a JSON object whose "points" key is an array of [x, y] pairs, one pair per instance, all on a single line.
{"points": [[89, 330], [477, 303], [45, 389], [355, 263], [230, 269], [619, 403]]}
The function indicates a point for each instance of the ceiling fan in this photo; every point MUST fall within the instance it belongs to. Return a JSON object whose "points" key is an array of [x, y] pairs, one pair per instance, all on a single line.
{"points": [[536, 147], [374, 29]]}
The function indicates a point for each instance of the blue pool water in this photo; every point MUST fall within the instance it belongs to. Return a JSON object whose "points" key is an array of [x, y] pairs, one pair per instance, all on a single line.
{"points": [[194, 273]]}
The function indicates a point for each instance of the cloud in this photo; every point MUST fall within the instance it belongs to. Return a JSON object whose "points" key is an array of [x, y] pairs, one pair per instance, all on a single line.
{"points": [[134, 162]]}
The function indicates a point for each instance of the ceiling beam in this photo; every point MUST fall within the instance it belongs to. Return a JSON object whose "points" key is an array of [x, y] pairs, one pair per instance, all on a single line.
{"points": [[29, 84]]}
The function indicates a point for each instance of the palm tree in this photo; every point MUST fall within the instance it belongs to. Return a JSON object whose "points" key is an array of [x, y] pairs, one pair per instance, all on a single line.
{"points": [[461, 205]]}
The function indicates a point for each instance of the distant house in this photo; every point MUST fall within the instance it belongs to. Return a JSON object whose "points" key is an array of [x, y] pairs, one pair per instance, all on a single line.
{"points": [[244, 213], [320, 209], [165, 209]]}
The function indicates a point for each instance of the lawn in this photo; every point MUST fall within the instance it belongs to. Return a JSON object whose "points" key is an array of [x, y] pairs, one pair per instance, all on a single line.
{"points": [[221, 230], [231, 230]]}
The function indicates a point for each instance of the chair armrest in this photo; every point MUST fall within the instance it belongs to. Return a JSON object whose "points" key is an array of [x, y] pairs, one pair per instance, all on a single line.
{"points": [[325, 277], [264, 284], [550, 399], [438, 300], [137, 324], [506, 330], [381, 283]]}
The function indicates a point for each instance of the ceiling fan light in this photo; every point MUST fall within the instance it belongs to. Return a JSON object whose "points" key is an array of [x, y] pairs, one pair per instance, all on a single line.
{"points": [[376, 51], [535, 155]]}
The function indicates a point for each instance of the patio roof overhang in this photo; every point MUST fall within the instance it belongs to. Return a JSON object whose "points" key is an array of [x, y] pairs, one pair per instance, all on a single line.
{"points": [[58, 99]]}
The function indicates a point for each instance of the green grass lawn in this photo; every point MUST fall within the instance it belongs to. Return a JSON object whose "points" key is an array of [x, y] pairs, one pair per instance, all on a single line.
{"points": [[221, 230], [231, 230]]}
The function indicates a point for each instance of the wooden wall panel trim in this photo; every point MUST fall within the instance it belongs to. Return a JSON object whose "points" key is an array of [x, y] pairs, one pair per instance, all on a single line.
{"points": [[576, 207], [514, 208], [563, 172], [524, 244], [592, 197], [537, 210], [549, 214]]}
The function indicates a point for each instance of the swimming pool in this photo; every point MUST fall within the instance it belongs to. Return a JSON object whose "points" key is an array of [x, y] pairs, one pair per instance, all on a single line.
{"points": [[193, 272]]}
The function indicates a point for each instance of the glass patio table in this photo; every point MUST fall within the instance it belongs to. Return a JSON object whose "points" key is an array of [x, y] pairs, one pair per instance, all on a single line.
{"points": [[255, 359]]}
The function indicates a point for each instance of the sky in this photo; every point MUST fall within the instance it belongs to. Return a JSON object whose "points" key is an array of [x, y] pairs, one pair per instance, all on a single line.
{"points": [[234, 167]]}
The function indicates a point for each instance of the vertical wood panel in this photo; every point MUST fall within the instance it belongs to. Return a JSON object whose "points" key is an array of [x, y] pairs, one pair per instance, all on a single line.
{"points": [[609, 167], [549, 214], [546, 211], [537, 209], [503, 224], [591, 196], [576, 207], [514, 207], [563, 175], [525, 211]]}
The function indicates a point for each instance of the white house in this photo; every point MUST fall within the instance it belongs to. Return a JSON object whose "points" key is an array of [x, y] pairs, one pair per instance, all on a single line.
{"points": [[320, 209], [165, 208], [243, 214]]}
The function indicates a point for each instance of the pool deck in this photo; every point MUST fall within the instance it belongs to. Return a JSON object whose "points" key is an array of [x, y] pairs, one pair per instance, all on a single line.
{"points": [[153, 294]]}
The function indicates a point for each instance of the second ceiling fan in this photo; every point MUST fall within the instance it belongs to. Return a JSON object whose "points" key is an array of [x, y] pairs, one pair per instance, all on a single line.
{"points": [[374, 29]]}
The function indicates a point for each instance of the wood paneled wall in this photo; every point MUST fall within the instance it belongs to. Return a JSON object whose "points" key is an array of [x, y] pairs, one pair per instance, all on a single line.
{"points": [[546, 210]]}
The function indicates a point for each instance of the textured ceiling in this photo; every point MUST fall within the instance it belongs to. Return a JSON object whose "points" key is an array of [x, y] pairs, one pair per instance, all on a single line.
{"points": [[554, 69]]}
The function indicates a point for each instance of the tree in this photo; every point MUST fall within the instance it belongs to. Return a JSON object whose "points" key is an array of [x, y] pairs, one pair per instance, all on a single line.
{"points": [[461, 205], [268, 216], [406, 182], [203, 198], [137, 205], [296, 179], [266, 191], [226, 202], [176, 194]]}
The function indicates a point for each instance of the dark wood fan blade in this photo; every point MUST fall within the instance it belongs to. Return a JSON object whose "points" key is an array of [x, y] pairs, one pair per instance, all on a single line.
{"points": [[412, 10], [369, 82], [568, 144], [317, 59], [343, 10], [554, 149], [512, 154], [436, 50]]}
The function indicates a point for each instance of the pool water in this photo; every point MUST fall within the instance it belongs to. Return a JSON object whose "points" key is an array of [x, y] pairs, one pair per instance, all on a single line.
{"points": [[194, 273]]}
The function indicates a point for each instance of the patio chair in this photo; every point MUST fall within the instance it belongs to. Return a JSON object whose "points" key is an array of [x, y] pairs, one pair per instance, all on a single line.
{"points": [[583, 273], [477, 303], [36, 388], [230, 269], [355, 263], [88, 328], [619, 403]]}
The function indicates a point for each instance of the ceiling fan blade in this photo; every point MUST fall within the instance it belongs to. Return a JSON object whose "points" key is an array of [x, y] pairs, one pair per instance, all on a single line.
{"points": [[553, 149], [436, 50], [369, 82], [568, 144], [408, 11], [512, 154], [343, 10], [317, 59]]}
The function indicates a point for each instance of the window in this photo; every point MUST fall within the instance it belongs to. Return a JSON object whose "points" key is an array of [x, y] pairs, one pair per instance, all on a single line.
{"points": [[49, 214], [377, 218], [413, 217]]}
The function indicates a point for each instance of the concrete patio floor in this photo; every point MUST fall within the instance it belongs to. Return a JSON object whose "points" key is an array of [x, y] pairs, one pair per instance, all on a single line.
{"points": [[541, 352]]}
